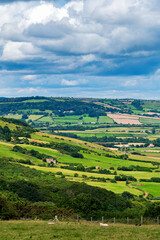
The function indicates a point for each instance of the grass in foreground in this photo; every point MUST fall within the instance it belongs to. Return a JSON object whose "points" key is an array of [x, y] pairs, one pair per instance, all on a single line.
{"points": [[39, 230]]}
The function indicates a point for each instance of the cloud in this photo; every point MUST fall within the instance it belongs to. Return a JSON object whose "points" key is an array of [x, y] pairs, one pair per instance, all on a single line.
{"points": [[29, 77], [65, 82], [106, 27], [27, 91], [130, 83], [18, 50]]}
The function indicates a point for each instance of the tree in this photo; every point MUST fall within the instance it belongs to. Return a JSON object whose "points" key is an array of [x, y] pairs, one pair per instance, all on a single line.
{"points": [[80, 167]]}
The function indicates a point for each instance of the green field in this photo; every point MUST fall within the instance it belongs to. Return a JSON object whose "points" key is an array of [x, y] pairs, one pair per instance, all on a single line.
{"points": [[34, 117], [40, 230], [118, 187], [15, 116], [105, 119], [45, 119], [150, 187], [149, 121], [5, 151]]}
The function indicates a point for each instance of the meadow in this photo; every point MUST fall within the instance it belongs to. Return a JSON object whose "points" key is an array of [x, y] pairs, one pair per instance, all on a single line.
{"points": [[149, 187], [40, 230]]}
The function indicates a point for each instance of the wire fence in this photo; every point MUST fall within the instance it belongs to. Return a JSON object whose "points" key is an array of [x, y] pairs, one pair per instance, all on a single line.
{"points": [[132, 221]]}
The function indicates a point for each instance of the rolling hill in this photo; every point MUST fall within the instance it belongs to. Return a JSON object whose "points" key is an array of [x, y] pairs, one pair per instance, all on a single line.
{"points": [[85, 179]]}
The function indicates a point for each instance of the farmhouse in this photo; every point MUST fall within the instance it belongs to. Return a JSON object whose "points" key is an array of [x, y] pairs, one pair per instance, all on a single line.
{"points": [[51, 160], [150, 145]]}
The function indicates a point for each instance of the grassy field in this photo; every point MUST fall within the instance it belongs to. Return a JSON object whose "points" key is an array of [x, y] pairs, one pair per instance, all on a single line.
{"points": [[46, 119], [34, 117], [5, 151], [149, 121], [40, 230], [118, 187], [152, 188], [15, 116]]}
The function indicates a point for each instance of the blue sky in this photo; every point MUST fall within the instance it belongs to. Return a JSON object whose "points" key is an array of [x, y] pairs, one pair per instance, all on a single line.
{"points": [[82, 48]]}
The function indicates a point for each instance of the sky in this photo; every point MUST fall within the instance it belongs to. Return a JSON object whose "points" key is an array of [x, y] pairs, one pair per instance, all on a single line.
{"points": [[82, 48]]}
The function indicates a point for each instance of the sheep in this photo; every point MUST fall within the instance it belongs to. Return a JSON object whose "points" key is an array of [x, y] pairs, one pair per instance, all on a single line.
{"points": [[104, 224]]}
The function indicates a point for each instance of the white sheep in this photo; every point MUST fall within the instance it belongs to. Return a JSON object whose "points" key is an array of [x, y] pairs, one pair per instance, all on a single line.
{"points": [[104, 224]]}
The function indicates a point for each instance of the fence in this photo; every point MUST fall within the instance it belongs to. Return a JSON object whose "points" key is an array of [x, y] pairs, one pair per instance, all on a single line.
{"points": [[136, 221]]}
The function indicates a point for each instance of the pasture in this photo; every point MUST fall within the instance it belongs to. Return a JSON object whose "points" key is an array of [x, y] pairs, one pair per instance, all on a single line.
{"points": [[40, 230], [149, 121], [150, 187]]}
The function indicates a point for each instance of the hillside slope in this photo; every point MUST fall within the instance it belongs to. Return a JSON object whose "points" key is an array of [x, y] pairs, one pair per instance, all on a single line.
{"points": [[30, 186]]}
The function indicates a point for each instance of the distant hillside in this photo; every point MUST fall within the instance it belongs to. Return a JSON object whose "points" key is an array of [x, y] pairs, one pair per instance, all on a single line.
{"points": [[45, 113]]}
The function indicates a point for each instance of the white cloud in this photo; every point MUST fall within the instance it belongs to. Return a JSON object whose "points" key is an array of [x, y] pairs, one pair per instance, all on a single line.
{"points": [[29, 77], [89, 58], [18, 50], [65, 82], [27, 91], [130, 83]]}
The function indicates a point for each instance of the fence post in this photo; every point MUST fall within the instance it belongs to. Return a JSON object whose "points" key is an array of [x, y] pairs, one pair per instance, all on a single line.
{"points": [[158, 220], [114, 220], [91, 219], [102, 219], [77, 218], [141, 220], [127, 220]]}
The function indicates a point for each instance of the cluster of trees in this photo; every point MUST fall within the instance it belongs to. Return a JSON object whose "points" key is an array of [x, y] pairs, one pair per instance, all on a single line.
{"points": [[154, 179], [125, 178], [122, 156], [156, 142], [5, 133], [134, 168], [137, 105]]}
